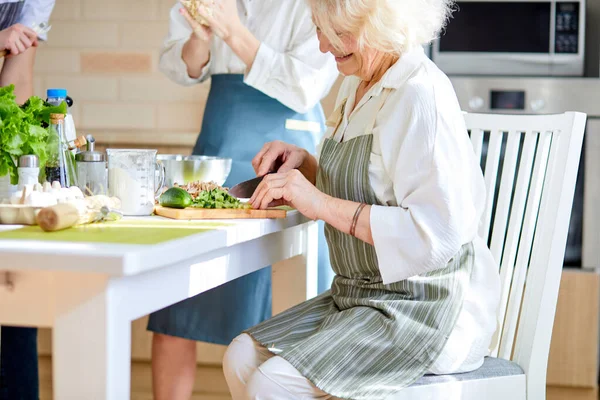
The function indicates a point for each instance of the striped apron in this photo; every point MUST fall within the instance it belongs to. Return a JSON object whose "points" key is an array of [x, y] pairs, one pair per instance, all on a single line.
{"points": [[363, 339], [9, 13]]}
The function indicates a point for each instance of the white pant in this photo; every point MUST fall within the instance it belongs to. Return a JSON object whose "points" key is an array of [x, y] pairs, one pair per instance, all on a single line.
{"points": [[253, 373]]}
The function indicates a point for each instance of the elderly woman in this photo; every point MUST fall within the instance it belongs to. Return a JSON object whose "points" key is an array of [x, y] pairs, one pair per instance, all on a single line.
{"points": [[397, 182]]}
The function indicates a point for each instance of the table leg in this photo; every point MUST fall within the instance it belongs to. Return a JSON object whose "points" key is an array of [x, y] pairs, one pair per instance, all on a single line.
{"points": [[311, 259], [91, 343], [296, 279]]}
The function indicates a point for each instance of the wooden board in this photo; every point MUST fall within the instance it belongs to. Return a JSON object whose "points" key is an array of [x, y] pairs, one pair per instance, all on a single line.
{"points": [[570, 393], [573, 359], [209, 213]]}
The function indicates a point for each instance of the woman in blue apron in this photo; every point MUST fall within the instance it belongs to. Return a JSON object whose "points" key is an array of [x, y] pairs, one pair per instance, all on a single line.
{"points": [[267, 80]]}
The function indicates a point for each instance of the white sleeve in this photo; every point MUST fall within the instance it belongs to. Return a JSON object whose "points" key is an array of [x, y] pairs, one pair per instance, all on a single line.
{"points": [[171, 63], [431, 177], [35, 12], [299, 77]]}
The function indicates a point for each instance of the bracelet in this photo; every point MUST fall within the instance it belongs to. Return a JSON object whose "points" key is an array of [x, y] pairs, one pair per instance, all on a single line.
{"points": [[355, 219]]}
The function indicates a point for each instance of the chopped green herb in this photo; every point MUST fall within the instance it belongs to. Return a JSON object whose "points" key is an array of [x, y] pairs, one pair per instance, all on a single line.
{"points": [[217, 198]]}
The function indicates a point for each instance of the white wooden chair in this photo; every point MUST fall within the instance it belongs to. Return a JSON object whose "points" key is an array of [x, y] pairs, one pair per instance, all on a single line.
{"points": [[526, 221]]}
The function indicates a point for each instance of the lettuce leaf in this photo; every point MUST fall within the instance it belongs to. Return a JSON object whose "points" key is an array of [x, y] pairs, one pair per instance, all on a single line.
{"points": [[23, 129]]}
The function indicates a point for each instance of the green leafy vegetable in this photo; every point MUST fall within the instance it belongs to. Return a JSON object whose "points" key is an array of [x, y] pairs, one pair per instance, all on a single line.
{"points": [[23, 129], [217, 198]]}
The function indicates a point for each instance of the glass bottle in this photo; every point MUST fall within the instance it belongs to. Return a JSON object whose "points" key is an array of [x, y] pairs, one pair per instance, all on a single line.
{"points": [[60, 166], [55, 97]]}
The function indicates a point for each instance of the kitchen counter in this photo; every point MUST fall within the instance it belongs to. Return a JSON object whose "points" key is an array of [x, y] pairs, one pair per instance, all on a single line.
{"points": [[89, 292]]}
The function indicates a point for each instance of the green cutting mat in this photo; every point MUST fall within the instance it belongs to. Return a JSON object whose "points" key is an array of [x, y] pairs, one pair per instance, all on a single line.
{"points": [[123, 232]]}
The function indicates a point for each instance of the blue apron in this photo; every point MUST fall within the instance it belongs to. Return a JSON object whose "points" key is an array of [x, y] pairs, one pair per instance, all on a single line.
{"points": [[238, 121]]}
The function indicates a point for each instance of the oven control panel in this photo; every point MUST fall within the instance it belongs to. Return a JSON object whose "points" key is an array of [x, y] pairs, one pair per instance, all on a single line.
{"points": [[506, 100], [566, 34], [528, 95]]}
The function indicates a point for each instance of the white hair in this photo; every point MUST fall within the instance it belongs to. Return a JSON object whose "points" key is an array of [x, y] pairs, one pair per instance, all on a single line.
{"points": [[390, 26]]}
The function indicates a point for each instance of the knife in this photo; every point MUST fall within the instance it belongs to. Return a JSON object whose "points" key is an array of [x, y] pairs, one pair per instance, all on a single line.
{"points": [[245, 190]]}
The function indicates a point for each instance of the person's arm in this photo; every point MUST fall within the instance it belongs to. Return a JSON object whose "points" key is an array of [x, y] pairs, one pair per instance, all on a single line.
{"points": [[244, 44], [18, 67], [35, 12], [299, 77], [426, 154], [18, 70], [434, 188], [185, 55], [196, 54]]}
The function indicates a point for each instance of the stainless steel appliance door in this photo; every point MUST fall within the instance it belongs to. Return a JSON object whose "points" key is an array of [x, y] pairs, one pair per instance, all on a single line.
{"points": [[513, 38], [498, 27]]}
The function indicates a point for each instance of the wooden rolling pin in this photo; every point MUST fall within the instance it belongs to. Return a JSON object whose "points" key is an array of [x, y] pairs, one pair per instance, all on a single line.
{"points": [[57, 217]]}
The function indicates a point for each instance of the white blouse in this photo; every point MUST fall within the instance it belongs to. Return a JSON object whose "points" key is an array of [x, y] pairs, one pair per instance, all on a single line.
{"points": [[423, 168], [288, 66]]}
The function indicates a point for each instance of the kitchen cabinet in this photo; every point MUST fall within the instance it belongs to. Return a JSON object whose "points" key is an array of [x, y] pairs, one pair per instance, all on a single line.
{"points": [[562, 393], [573, 361]]}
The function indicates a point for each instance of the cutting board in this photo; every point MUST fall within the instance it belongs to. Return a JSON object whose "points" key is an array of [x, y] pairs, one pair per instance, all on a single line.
{"points": [[211, 213]]}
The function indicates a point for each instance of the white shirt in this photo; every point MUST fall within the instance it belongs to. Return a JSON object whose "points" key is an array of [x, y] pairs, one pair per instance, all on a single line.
{"points": [[423, 168], [34, 12], [288, 66]]}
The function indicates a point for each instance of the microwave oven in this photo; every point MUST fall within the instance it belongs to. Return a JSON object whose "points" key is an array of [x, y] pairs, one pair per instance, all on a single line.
{"points": [[513, 37]]}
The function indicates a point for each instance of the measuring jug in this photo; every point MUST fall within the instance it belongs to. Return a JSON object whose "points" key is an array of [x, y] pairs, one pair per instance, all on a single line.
{"points": [[132, 178]]}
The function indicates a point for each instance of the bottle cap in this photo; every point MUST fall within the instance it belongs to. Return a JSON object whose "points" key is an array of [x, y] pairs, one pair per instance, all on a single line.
{"points": [[56, 93], [29, 161], [90, 156]]}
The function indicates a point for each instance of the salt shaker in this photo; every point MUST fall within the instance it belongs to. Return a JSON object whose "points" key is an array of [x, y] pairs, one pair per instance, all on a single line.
{"points": [[91, 170], [28, 170]]}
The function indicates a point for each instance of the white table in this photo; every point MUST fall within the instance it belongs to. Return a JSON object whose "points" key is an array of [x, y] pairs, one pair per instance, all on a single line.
{"points": [[90, 293]]}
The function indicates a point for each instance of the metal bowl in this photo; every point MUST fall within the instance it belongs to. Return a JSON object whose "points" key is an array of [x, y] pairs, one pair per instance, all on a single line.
{"points": [[182, 169]]}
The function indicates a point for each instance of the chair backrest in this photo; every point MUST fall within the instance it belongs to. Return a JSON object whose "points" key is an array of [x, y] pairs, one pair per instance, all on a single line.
{"points": [[530, 166]]}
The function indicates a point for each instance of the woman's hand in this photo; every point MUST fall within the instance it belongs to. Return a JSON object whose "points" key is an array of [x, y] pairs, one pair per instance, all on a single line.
{"points": [[196, 51], [201, 32], [224, 21], [278, 156], [292, 189], [17, 39]]}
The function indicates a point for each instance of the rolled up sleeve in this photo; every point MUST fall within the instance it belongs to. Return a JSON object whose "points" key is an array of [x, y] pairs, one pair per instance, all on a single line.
{"points": [[171, 62], [299, 77], [35, 12]]}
